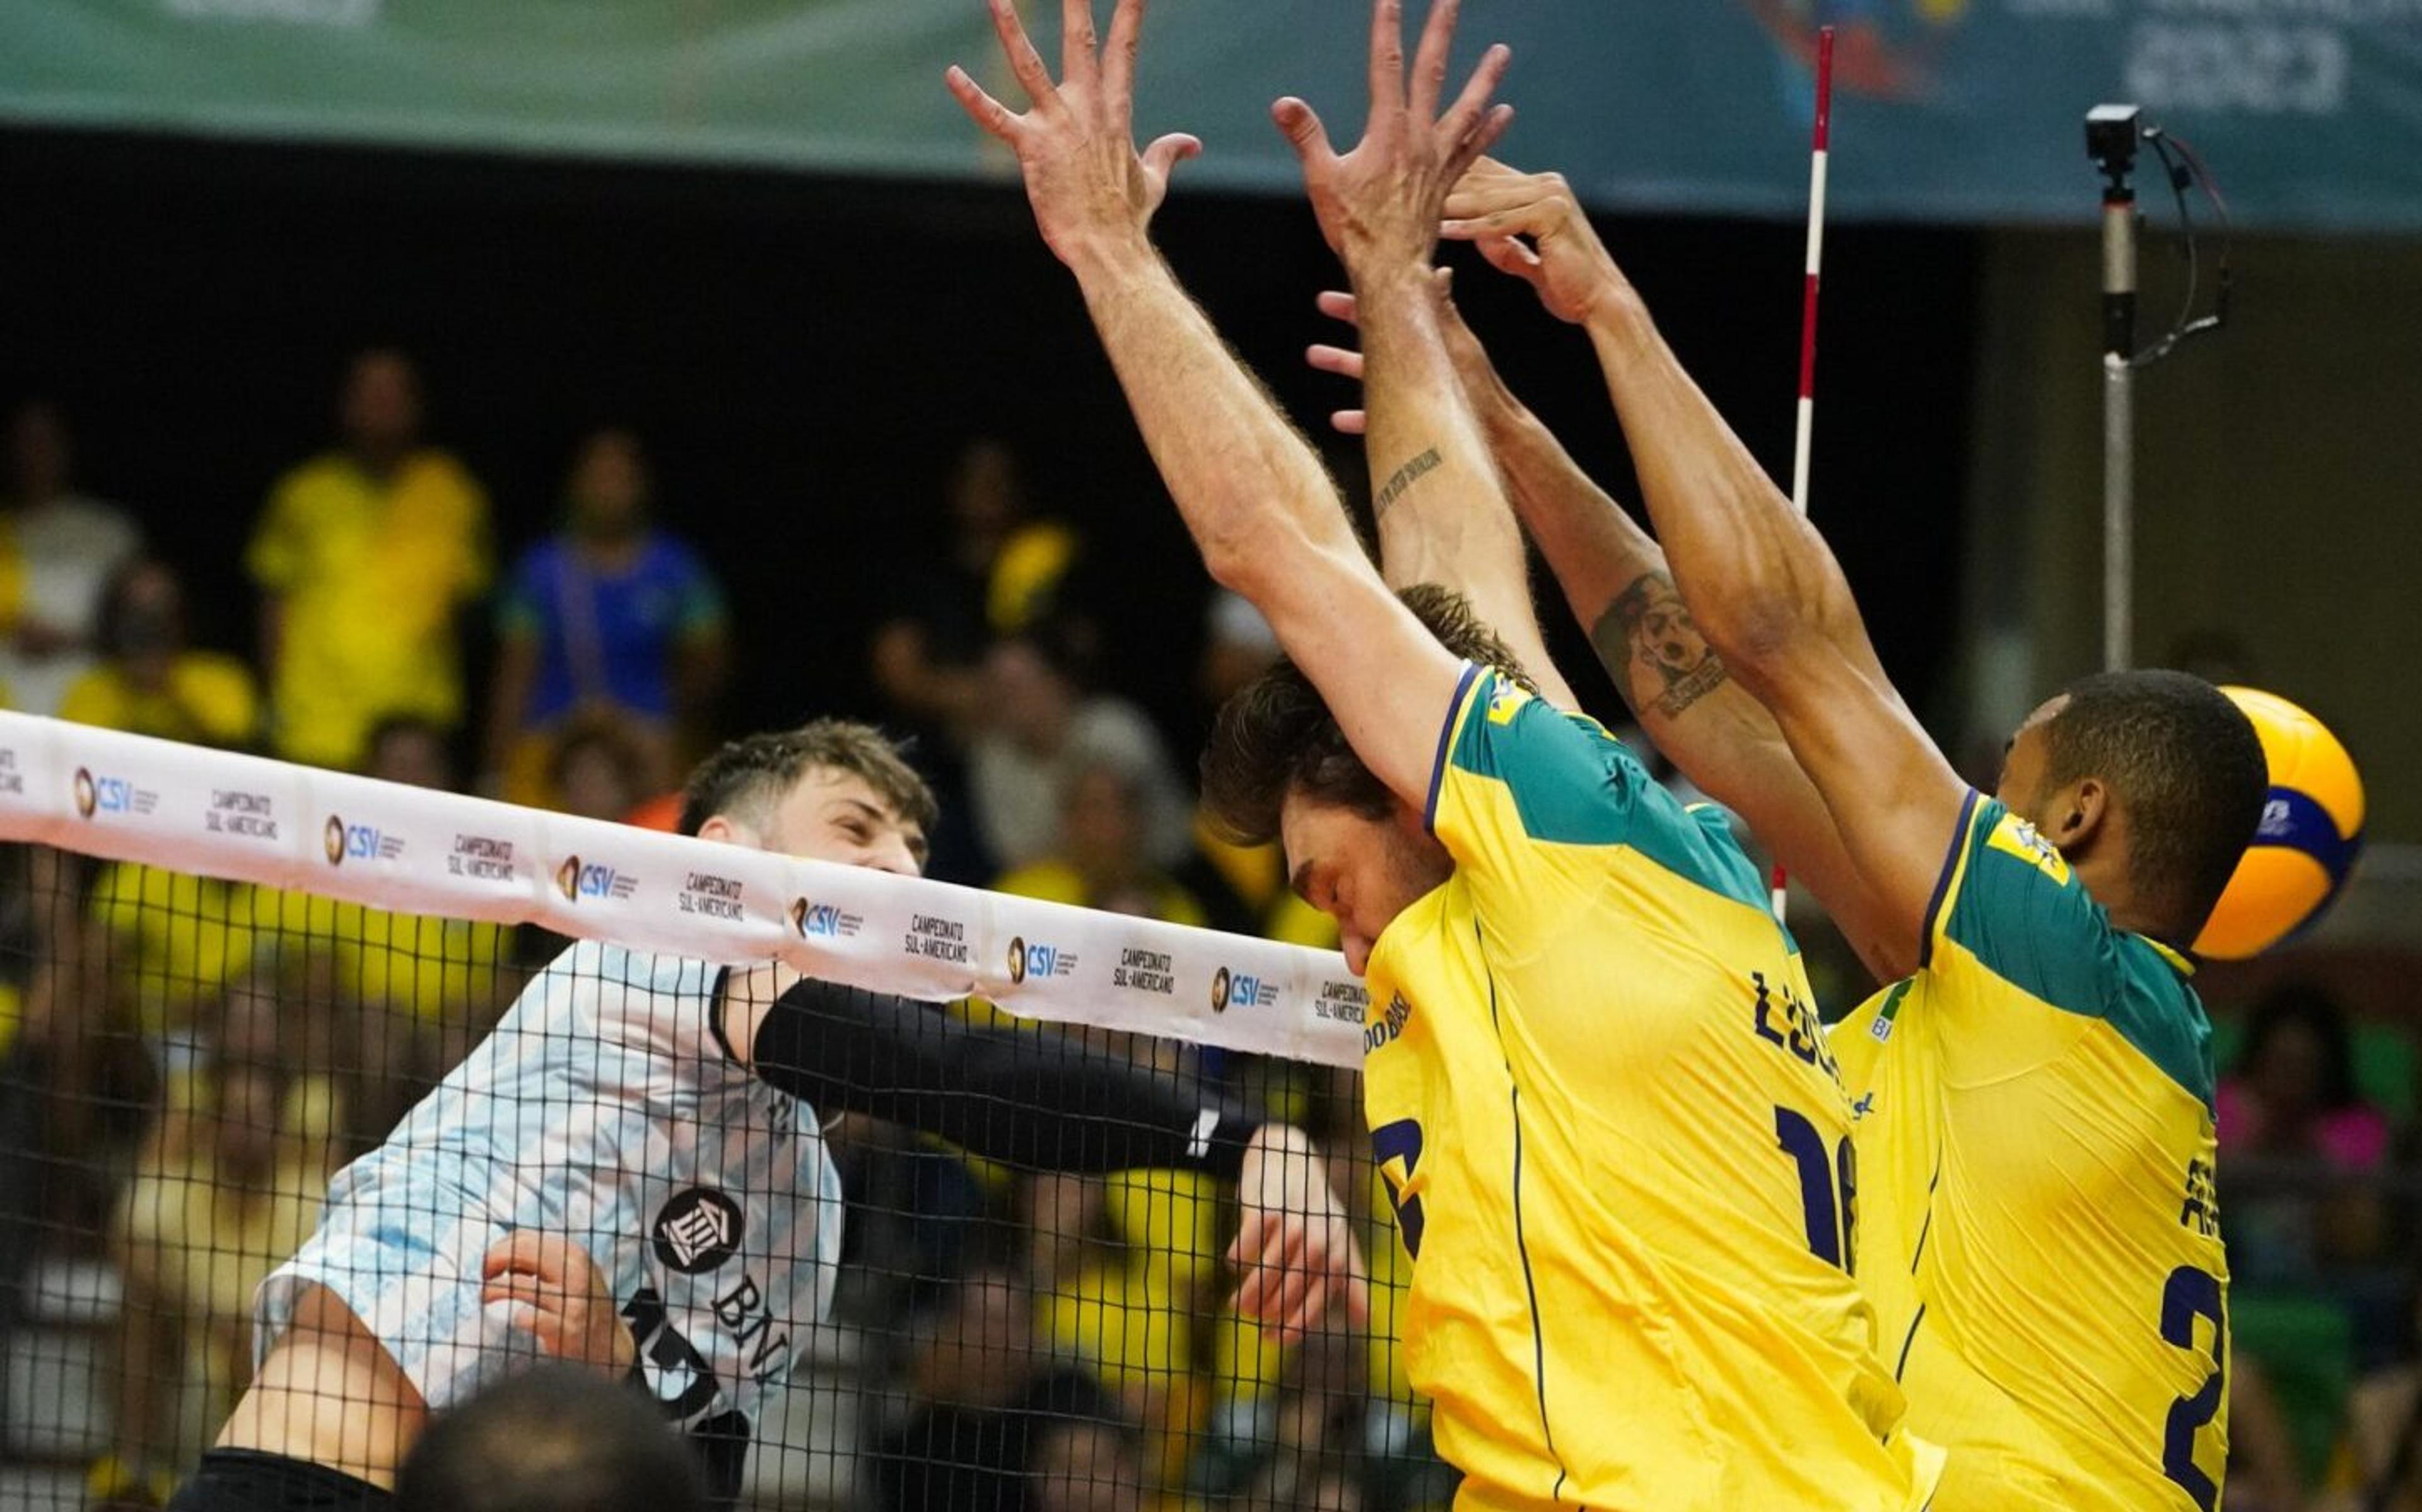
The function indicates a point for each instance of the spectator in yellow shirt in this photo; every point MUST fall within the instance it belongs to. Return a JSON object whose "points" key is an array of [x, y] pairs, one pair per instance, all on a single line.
{"points": [[148, 681], [366, 557], [1102, 858]]}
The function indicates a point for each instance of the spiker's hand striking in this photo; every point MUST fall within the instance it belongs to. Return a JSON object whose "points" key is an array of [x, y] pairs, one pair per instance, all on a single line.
{"points": [[1381, 203], [1090, 187]]}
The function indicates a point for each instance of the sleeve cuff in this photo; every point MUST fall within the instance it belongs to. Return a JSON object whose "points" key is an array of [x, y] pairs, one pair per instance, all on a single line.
{"points": [[1446, 744], [1942, 898]]}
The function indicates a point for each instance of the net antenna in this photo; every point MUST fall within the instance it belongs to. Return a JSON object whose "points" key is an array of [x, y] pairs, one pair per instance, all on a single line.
{"points": [[2113, 135], [1820, 149]]}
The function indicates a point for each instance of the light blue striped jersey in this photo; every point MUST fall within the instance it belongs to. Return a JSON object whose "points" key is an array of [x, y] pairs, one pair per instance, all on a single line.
{"points": [[605, 1108]]}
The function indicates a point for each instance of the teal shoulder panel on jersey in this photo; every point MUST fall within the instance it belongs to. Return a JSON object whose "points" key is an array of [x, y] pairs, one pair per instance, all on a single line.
{"points": [[2026, 918], [1574, 784]]}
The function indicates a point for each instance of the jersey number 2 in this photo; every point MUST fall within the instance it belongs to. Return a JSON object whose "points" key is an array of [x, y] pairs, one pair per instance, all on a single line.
{"points": [[1829, 1187], [2192, 1294], [1401, 1140]]}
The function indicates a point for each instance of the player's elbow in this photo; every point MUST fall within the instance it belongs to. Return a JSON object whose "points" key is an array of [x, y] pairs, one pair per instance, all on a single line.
{"points": [[1252, 555], [1754, 630]]}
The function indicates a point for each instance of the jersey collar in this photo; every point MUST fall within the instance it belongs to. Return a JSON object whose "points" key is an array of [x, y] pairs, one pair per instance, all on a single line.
{"points": [[2178, 962]]}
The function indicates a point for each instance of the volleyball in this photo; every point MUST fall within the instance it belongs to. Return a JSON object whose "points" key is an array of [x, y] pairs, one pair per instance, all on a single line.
{"points": [[2310, 834]]}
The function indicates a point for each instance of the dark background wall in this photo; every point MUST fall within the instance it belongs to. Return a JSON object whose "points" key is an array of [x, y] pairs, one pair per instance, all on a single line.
{"points": [[804, 356]]}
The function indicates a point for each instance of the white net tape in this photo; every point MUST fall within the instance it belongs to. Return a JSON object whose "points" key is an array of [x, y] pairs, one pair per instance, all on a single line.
{"points": [[251, 819]]}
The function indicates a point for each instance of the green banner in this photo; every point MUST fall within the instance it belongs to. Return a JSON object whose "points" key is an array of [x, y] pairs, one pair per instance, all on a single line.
{"points": [[2309, 111]]}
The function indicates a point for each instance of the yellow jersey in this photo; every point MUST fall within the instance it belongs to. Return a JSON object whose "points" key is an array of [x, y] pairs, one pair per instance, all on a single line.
{"points": [[1618, 1148], [372, 572], [2039, 1230], [208, 699]]}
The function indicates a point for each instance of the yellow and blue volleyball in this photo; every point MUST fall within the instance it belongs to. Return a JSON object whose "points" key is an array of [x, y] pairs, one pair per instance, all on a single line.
{"points": [[2311, 832]]}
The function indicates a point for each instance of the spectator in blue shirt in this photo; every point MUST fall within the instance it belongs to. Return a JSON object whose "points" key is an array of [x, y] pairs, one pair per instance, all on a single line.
{"points": [[608, 619]]}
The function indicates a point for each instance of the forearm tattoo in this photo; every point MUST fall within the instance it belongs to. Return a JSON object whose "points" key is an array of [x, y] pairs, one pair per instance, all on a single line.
{"points": [[1647, 635], [1401, 478]]}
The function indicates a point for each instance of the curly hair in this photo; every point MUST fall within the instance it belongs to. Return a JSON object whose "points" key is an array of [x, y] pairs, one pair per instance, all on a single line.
{"points": [[1277, 736]]}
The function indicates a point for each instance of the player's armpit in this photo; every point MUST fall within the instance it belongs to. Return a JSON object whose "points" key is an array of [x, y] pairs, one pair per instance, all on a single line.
{"points": [[1895, 801], [1385, 677], [1728, 745]]}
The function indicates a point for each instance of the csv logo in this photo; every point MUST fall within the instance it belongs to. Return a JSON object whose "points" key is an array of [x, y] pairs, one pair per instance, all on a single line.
{"points": [[824, 921], [358, 842], [595, 881], [96, 794], [820, 918]]}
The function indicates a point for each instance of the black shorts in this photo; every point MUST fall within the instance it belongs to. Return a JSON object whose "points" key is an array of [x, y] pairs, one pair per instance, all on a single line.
{"points": [[247, 1480]]}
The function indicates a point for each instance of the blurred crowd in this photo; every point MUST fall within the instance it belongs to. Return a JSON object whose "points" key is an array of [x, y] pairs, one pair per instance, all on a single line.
{"points": [[185, 1062]]}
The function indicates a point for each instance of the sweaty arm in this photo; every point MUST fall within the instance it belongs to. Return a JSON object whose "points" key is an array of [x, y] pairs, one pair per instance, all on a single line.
{"points": [[1437, 497], [1760, 585], [1765, 592], [1034, 1101], [1267, 518], [1615, 581]]}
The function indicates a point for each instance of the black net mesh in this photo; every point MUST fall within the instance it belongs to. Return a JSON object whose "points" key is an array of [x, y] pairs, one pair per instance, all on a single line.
{"points": [[189, 1063]]}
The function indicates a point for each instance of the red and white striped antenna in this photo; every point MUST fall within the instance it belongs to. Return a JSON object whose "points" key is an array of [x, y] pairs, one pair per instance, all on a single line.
{"points": [[1817, 159], [1820, 149]]}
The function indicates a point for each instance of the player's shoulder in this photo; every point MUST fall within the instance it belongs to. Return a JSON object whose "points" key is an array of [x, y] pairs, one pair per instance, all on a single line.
{"points": [[591, 970], [1568, 775], [2014, 907], [1568, 781]]}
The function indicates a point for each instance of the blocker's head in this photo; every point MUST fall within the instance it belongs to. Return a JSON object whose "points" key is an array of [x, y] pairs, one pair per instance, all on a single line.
{"points": [[829, 790], [2150, 783], [1278, 767]]}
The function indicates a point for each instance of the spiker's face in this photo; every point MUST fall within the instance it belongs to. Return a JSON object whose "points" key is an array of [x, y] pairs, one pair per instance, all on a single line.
{"points": [[831, 815], [1361, 872]]}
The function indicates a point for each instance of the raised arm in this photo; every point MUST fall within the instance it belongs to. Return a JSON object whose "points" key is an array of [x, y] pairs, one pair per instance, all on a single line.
{"points": [[1615, 581], [1759, 583], [1256, 498], [1436, 499]]}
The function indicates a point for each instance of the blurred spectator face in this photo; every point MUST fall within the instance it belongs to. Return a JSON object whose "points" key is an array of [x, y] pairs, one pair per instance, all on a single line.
{"points": [[38, 454], [247, 1121], [381, 413], [413, 753], [1241, 646], [143, 624], [608, 491], [984, 498], [595, 780], [982, 1348], [1084, 1467], [1102, 826], [2289, 1073], [1027, 698]]}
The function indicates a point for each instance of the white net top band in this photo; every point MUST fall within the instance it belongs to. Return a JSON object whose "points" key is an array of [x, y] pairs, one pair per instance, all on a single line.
{"points": [[251, 819]]}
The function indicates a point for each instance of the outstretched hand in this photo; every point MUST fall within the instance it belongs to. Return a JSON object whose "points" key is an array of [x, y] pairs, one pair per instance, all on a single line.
{"points": [[1472, 367], [1563, 259], [1088, 185], [1383, 200]]}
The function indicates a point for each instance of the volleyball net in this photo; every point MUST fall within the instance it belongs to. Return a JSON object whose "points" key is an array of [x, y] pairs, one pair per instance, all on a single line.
{"points": [[226, 981]]}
